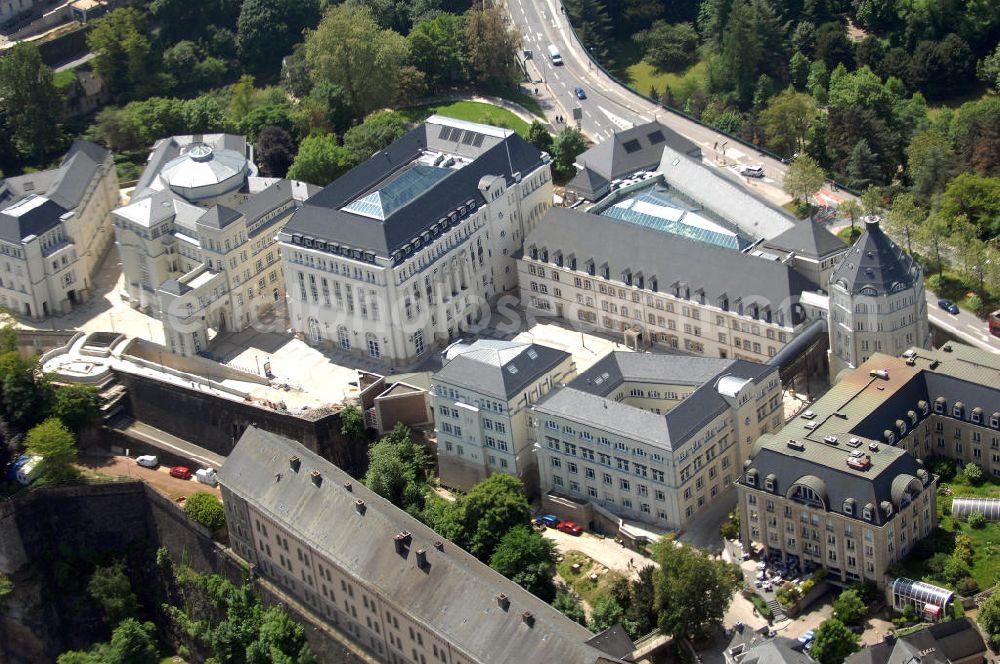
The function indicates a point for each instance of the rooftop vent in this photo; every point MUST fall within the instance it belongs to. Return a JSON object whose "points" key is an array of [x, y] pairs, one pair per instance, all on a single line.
{"points": [[811, 425], [910, 361], [910, 353], [503, 601], [317, 477], [439, 545], [422, 558], [879, 373], [796, 445], [294, 463], [809, 415], [348, 486], [359, 506], [854, 442], [935, 364], [528, 618], [830, 439], [862, 462], [946, 348], [873, 447]]}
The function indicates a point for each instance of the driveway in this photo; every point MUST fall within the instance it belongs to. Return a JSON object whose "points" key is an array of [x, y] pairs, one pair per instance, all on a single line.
{"points": [[158, 478]]}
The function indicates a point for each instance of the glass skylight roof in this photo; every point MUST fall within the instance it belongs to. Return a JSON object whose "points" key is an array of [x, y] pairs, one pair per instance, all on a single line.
{"points": [[659, 211], [398, 191]]}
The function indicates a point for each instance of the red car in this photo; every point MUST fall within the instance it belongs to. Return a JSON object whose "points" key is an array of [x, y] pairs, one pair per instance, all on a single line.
{"points": [[570, 527], [180, 472]]}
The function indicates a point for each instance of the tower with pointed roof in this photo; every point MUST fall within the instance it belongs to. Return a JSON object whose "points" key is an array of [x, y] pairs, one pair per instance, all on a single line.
{"points": [[877, 302]]}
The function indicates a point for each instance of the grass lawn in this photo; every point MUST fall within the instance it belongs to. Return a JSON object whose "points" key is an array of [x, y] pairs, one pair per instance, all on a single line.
{"points": [[63, 79], [473, 111], [643, 77], [580, 581], [848, 237], [985, 541], [933, 110]]}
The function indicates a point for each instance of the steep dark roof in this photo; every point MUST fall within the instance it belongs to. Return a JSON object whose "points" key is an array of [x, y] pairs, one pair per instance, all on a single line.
{"points": [[588, 183], [875, 262], [36, 219], [808, 238], [321, 217], [613, 641], [498, 368], [455, 595], [635, 149], [218, 216], [670, 259], [941, 643]]}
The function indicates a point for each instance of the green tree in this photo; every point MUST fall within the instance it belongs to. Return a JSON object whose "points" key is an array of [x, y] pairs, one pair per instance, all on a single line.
{"points": [[124, 54], [605, 613], [397, 470], [669, 47], [988, 69], [266, 30], [204, 508], [493, 46], [275, 151], [833, 642], [850, 209], [741, 52], [832, 45], [592, 24], [818, 81], [570, 607], [872, 201], [8, 332], [692, 591], [933, 236], [478, 520], [320, 161], [848, 607], [56, 444], [24, 393], [976, 197], [989, 619], [904, 218], [568, 145], [955, 569], [973, 132], [804, 178], [351, 50], [730, 528], [280, 639], [375, 133], [30, 101], [438, 48], [942, 68], [539, 136], [863, 168], [527, 558], [133, 642], [930, 163], [78, 406], [787, 120], [974, 474], [352, 422], [976, 520], [798, 70], [110, 587]]}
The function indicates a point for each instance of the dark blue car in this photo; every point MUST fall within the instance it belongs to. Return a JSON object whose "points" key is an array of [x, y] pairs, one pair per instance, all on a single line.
{"points": [[580, 94], [948, 306]]}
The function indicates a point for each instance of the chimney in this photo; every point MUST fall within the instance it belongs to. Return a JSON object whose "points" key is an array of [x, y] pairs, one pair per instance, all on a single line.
{"points": [[503, 601], [294, 463], [528, 618], [402, 541], [439, 545], [317, 477], [421, 558], [348, 486], [359, 506]]}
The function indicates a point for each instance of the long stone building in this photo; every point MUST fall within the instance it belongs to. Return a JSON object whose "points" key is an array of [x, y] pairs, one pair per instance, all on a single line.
{"points": [[651, 438], [384, 581], [55, 228], [843, 484], [407, 249]]}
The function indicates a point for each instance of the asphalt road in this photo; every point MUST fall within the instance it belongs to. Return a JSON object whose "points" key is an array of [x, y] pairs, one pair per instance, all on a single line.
{"points": [[963, 325], [610, 107]]}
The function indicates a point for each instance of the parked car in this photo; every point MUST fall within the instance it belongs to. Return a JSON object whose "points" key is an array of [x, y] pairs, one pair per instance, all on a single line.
{"points": [[550, 520], [147, 460], [207, 476], [570, 527], [181, 472], [768, 586], [580, 94], [807, 638], [752, 171], [948, 306]]}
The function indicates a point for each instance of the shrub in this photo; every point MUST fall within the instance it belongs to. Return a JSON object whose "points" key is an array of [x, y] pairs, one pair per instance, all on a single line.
{"points": [[976, 520], [204, 508], [968, 586], [963, 548], [955, 570], [935, 282], [975, 303], [943, 467], [909, 613], [807, 586], [974, 474]]}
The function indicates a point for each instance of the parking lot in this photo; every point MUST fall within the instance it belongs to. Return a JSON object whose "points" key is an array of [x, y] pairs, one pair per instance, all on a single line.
{"points": [[605, 551], [158, 478]]}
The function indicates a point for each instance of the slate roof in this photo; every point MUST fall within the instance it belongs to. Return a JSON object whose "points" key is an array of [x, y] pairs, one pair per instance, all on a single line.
{"points": [[322, 216], [454, 596], [627, 152], [586, 398], [33, 215], [941, 643], [875, 261], [219, 216], [808, 238], [779, 650], [76, 172], [670, 259], [755, 217], [498, 368]]}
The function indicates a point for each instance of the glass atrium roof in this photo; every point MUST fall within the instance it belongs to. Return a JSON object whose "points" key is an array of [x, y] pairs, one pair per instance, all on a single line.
{"points": [[398, 191], [658, 210]]}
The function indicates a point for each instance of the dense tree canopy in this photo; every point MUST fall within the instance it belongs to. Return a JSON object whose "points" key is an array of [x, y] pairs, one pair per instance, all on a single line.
{"points": [[833, 642], [125, 58], [268, 29], [527, 558], [478, 520], [110, 587], [320, 161], [692, 590], [29, 101], [56, 444]]}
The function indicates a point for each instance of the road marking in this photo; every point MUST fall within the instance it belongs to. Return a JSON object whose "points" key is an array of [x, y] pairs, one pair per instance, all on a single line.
{"points": [[621, 122], [587, 113], [734, 153]]}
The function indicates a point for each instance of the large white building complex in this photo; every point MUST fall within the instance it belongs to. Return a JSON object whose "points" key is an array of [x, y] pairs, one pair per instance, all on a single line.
{"points": [[482, 399], [198, 238], [651, 438], [55, 227], [403, 251], [385, 583]]}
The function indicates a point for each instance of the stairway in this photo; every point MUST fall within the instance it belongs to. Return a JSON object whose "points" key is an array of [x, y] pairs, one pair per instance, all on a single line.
{"points": [[777, 614]]}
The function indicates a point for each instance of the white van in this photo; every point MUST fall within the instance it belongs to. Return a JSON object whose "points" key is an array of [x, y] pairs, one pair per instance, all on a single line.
{"points": [[147, 461], [207, 476], [554, 55], [30, 471]]}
